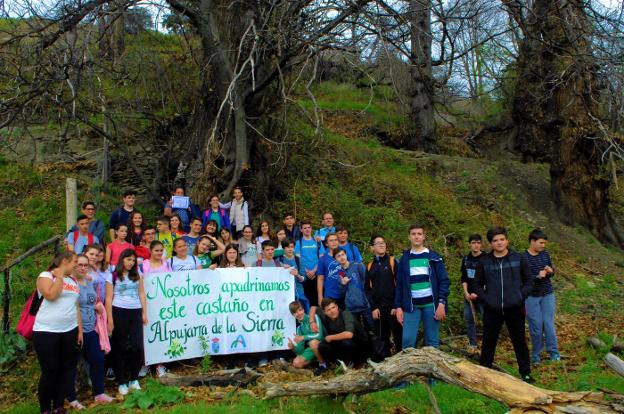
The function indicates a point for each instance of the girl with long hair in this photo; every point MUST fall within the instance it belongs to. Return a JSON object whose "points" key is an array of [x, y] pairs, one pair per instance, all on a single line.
{"points": [[127, 313], [91, 350]]}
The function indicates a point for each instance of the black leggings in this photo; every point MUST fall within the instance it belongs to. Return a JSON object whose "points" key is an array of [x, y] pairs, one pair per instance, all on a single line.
{"points": [[57, 353], [127, 343]]}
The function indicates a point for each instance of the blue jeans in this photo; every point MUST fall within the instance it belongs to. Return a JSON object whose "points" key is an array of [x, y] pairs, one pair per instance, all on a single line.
{"points": [[411, 322], [469, 319], [541, 316], [94, 356]]}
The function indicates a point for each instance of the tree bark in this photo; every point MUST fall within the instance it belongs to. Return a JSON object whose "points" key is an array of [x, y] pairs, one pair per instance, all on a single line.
{"points": [[246, 49], [615, 363], [411, 363], [237, 377], [556, 111], [422, 134]]}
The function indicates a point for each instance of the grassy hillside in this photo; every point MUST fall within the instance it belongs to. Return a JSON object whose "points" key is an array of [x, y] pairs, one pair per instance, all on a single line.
{"points": [[373, 189]]}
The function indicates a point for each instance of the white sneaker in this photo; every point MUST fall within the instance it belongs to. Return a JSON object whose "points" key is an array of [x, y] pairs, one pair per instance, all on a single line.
{"points": [[144, 371], [134, 385], [161, 371], [76, 405], [122, 389], [103, 399]]}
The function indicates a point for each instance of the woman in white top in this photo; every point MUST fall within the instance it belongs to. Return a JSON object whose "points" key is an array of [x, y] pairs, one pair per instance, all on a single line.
{"points": [[263, 233], [127, 313], [156, 264], [57, 332], [181, 259], [248, 248]]}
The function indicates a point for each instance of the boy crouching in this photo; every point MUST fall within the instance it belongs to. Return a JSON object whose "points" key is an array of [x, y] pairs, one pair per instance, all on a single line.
{"points": [[305, 343]]}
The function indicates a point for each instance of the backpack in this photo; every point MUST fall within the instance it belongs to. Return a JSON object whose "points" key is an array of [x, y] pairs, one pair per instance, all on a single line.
{"points": [[370, 264], [90, 239], [29, 313], [351, 249]]}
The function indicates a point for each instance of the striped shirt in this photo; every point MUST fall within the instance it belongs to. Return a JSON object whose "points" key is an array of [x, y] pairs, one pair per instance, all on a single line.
{"points": [[537, 263], [420, 284]]}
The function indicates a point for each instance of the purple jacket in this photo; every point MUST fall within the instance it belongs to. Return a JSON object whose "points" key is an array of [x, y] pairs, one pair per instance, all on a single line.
{"points": [[223, 214]]}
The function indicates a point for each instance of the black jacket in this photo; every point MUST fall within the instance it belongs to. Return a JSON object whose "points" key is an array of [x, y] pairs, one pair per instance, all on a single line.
{"points": [[380, 282], [503, 282]]}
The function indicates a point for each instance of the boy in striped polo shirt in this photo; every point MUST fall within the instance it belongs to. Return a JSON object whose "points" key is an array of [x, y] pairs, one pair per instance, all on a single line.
{"points": [[422, 290]]}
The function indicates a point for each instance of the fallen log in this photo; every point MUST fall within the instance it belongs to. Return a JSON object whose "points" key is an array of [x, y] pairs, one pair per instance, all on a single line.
{"points": [[237, 377], [411, 363], [615, 363], [596, 342]]}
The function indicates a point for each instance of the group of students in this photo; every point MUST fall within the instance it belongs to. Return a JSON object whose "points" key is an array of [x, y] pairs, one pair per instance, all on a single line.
{"points": [[345, 310]]}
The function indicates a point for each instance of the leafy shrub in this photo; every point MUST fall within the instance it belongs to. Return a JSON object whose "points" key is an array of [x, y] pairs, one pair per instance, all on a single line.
{"points": [[12, 348], [154, 395]]}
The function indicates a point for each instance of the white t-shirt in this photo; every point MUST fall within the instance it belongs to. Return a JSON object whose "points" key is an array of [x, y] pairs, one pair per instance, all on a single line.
{"points": [[189, 263], [59, 315], [125, 293]]}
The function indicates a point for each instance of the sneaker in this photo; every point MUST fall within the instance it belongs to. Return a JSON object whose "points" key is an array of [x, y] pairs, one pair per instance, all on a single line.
{"points": [[110, 374], [555, 356], [263, 362], [122, 389], [472, 350], [528, 379], [320, 370], [161, 371], [144, 371], [76, 405], [535, 360], [103, 399], [134, 385]]}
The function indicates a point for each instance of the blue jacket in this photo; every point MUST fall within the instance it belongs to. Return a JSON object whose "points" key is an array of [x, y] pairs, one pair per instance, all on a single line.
{"points": [[438, 277], [355, 298]]}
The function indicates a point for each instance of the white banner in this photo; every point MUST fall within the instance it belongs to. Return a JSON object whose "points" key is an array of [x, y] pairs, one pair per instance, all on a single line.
{"points": [[225, 311]]}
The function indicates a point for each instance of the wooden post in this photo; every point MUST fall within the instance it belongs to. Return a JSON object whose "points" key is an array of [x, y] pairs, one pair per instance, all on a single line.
{"points": [[71, 202], [105, 150], [6, 322]]}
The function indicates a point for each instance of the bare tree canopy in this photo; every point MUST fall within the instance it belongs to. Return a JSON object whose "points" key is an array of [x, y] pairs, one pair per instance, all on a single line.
{"points": [[212, 107]]}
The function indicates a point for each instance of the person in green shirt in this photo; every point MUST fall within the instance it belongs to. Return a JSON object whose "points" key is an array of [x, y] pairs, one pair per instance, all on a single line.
{"points": [[208, 249], [305, 343], [164, 235]]}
